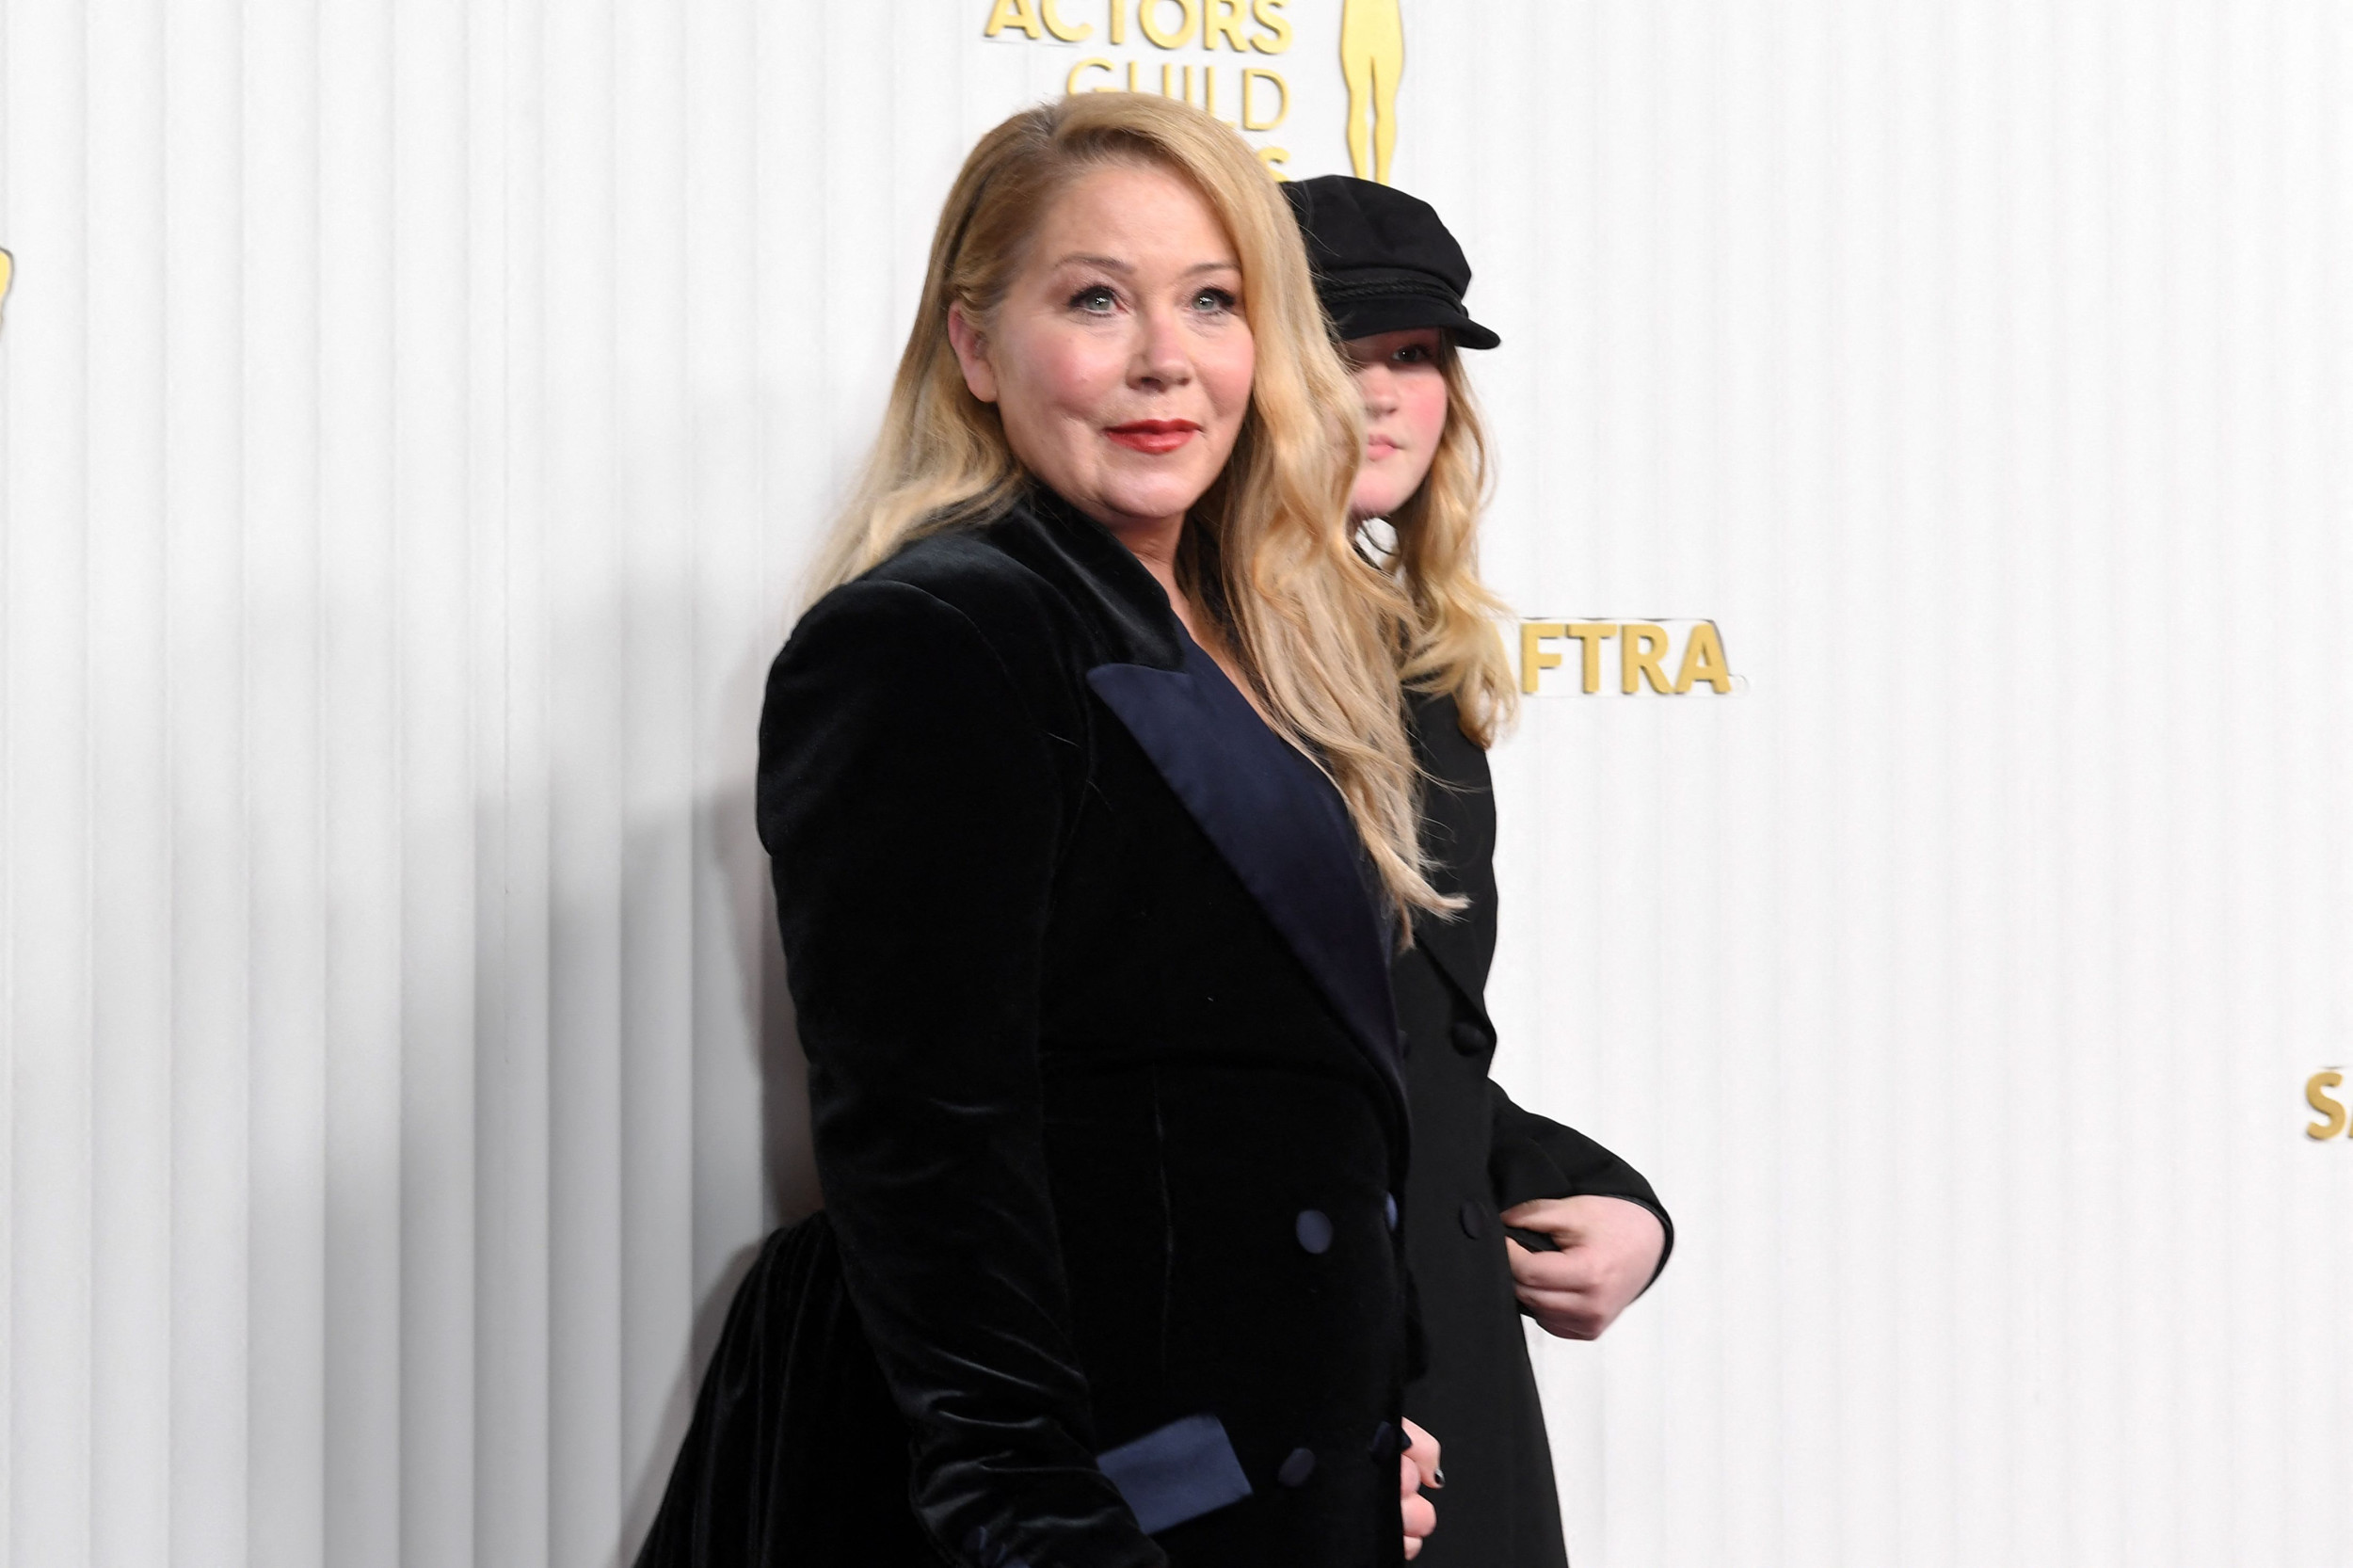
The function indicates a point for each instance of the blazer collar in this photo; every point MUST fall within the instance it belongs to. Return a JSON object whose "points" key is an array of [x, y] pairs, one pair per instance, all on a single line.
{"points": [[1272, 815], [1123, 610]]}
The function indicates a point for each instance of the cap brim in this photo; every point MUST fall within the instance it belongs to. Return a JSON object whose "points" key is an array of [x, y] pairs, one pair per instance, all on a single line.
{"points": [[1366, 318]]}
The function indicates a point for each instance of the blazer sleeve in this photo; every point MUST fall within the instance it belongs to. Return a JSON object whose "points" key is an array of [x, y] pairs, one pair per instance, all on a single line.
{"points": [[1532, 1156], [911, 803]]}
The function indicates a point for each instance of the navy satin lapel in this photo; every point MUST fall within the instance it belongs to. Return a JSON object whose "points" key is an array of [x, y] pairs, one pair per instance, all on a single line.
{"points": [[1278, 822]]}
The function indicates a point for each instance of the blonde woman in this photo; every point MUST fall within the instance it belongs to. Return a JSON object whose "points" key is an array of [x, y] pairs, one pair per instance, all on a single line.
{"points": [[1092, 809], [1586, 1234]]}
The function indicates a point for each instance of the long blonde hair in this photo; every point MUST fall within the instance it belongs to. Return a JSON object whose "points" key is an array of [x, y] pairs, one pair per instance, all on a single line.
{"points": [[1452, 646], [1267, 552]]}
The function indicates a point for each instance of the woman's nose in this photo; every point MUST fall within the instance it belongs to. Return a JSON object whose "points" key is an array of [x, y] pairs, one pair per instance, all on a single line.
{"points": [[1163, 355], [1378, 388]]}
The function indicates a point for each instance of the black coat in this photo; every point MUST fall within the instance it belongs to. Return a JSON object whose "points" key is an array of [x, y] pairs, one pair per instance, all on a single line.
{"points": [[1106, 1095], [1475, 1155]]}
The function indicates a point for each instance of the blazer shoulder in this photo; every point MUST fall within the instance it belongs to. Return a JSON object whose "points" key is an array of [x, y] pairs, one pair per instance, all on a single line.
{"points": [[1458, 833], [1004, 600], [957, 587], [1449, 756], [1458, 821], [882, 673], [944, 613]]}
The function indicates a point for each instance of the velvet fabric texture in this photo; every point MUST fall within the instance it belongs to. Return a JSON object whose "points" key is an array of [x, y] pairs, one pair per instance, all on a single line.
{"points": [[1475, 1155], [792, 1406], [1106, 1095]]}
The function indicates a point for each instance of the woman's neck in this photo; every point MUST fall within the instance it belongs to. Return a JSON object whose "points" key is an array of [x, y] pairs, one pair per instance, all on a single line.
{"points": [[1154, 545]]}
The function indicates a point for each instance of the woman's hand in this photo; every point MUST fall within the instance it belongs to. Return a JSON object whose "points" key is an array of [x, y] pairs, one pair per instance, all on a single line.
{"points": [[1610, 1250], [1417, 1467]]}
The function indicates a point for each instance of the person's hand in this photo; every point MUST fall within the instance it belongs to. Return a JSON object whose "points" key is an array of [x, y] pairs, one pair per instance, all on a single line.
{"points": [[1609, 1249], [1417, 1467]]}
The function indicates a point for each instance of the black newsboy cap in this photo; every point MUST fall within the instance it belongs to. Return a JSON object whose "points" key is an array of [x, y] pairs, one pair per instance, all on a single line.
{"points": [[1382, 261]]}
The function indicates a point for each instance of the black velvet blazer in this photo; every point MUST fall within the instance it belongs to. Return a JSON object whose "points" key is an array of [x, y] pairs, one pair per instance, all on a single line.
{"points": [[1106, 1090], [1477, 1154]]}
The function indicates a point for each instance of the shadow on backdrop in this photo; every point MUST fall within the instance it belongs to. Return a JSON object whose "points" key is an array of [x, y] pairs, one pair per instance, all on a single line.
{"points": [[728, 849]]}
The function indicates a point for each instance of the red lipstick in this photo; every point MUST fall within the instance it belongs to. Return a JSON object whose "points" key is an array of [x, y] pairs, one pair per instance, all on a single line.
{"points": [[1155, 436]]}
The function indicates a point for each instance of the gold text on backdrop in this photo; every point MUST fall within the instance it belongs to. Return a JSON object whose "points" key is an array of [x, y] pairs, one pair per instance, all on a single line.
{"points": [[1643, 650], [2316, 1095], [1252, 98]]}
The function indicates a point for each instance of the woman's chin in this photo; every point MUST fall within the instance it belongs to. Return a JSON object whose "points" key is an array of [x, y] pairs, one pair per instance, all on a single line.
{"points": [[1145, 504]]}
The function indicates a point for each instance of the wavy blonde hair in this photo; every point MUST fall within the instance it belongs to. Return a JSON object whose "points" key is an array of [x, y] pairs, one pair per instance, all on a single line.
{"points": [[1267, 552], [1452, 645]]}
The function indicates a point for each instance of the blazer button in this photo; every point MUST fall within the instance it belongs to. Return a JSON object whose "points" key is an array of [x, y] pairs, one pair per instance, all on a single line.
{"points": [[1388, 1207], [1314, 1230], [1469, 1039], [1385, 1441], [1297, 1467], [1474, 1223]]}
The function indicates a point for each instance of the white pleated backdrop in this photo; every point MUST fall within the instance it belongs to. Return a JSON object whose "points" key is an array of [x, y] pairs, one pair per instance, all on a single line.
{"points": [[415, 420]]}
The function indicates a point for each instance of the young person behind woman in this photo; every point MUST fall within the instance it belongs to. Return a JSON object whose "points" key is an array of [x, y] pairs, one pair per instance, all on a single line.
{"points": [[1089, 957], [1392, 278]]}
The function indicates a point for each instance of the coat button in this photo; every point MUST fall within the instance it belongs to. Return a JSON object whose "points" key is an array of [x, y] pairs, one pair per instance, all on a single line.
{"points": [[1474, 1223], [1297, 1466], [1314, 1230], [1469, 1039], [1388, 1207], [1383, 1441]]}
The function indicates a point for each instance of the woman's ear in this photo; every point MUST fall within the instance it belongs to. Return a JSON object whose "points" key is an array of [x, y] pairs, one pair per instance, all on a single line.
{"points": [[980, 377]]}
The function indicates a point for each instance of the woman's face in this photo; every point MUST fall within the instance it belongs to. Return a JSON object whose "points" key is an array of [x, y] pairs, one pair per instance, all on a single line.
{"points": [[1404, 393], [1119, 359]]}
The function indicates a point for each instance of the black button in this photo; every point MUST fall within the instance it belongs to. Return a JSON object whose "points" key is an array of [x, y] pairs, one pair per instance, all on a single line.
{"points": [[1469, 1039], [1388, 1207], [1385, 1441], [1297, 1467], [1474, 1223], [1314, 1230]]}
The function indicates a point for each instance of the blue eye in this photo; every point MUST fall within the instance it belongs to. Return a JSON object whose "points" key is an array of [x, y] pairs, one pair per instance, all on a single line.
{"points": [[1096, 299], [1214, 299]]}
